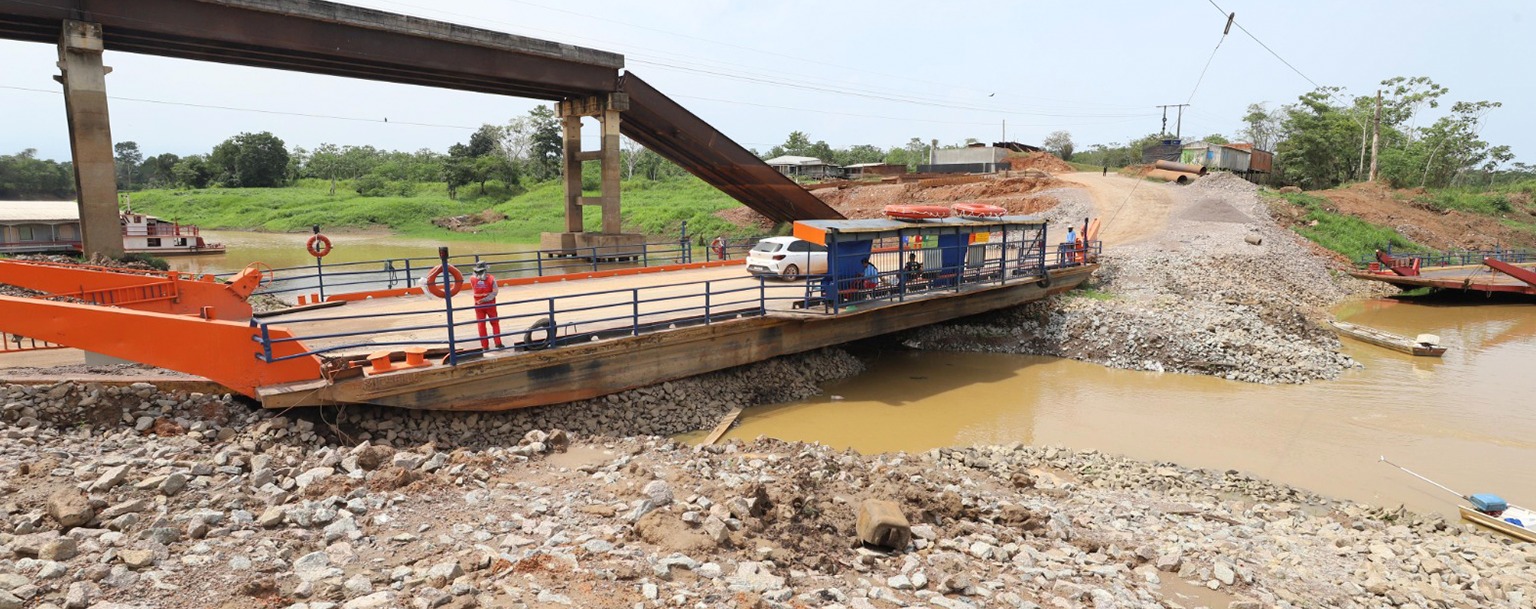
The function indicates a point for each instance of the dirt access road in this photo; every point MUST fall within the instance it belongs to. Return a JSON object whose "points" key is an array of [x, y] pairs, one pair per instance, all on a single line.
{"points": [[1130, 209]]}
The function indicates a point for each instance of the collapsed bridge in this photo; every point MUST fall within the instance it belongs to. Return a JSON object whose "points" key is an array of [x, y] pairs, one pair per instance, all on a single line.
{"points": [[334, 39]]}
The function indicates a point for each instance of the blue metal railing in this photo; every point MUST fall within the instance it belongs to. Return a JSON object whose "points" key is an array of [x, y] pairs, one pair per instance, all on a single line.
{"points": [[646, 310], [335, 278], [552, 321]]}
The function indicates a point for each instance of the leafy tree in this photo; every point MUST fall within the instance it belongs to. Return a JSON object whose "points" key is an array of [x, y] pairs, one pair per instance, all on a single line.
{"points": [[458, 170], [492, 167], [797, 144], [1059, 143], [252, 160], [485, 140], [546, 151], [24, 176], [859, 153], [1263, 127], [325, 162], [157, 170], [127, 157], [1321, 138], [193, 172], [1216, 138]]}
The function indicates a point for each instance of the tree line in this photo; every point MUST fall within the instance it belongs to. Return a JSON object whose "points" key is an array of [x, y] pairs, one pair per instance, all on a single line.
{"points": [[526, 148]]}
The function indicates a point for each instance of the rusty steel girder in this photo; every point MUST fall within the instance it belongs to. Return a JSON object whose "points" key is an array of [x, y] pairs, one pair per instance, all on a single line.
{"points": [[663, 125]]}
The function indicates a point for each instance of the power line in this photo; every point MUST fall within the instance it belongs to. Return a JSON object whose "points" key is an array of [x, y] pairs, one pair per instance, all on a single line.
{"points": [[254, 110], [1231, 18], [475, 19], [1266, 47]]}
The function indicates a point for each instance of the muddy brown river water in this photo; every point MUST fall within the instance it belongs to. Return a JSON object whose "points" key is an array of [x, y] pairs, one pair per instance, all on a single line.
{"points": [[1467, 420]]}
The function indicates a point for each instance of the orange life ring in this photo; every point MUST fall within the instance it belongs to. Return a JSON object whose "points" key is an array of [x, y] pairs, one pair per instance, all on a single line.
{"points": [[978, 210], [718, 245], [318, 246], [437, 288], [916, 212]]}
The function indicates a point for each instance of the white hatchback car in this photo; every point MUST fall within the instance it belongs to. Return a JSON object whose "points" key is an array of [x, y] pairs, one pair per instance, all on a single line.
{"points": [[787, 257]]}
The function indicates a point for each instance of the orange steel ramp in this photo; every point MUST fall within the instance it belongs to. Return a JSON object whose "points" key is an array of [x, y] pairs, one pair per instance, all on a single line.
{"points": [[162, 292], [222, 351]]}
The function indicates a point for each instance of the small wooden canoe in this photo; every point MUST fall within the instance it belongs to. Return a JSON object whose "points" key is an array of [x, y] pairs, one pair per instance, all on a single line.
{"points": [[1427, 345], [1525, 531]]}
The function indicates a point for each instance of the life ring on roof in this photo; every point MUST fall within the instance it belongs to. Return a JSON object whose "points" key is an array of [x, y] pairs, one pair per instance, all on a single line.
{"points": [[436, 287], [916, 212], [318, 246], [978, 210]]}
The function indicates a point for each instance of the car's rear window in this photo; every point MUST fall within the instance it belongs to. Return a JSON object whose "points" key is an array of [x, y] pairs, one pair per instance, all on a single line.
{"points": [[767, 247]]}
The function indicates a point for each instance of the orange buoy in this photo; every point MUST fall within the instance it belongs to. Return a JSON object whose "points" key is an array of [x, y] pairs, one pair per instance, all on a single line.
{"points": [[318, 246], [916, 212], [436, 288], [978, 210]]}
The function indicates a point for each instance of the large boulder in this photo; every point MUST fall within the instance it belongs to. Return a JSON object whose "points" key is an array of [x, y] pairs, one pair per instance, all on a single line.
{"points": [[70, 507], [882, 524]]}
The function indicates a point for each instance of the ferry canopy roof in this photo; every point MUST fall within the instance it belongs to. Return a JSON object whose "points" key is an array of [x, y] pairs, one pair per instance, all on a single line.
{"points": [[14, 212], [816, 231]]}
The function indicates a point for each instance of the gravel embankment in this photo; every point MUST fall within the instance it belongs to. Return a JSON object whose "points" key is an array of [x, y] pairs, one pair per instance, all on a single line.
{"points": [[1200, 298], [119, 498]]}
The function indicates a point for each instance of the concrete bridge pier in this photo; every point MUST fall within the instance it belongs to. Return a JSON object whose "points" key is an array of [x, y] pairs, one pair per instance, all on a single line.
{"points": [[611, 243], [90, 137]]}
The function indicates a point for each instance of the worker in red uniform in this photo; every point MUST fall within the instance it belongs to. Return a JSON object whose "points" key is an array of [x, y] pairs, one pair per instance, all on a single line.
{"points": [[485, 304]]}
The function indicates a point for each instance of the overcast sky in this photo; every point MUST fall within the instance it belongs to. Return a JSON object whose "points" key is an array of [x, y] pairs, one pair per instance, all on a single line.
{"points": [[847, 72]]}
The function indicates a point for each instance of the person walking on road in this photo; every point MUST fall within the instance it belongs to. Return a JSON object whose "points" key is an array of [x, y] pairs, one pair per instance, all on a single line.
{"points": [[485, 304]]}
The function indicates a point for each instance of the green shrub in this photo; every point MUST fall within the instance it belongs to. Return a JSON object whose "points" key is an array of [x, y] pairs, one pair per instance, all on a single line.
{"points": [[146, 259]]}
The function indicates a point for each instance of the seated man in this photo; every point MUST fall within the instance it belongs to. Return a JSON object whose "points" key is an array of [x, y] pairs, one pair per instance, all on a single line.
{"points": [[913, 268], [871, 275]]}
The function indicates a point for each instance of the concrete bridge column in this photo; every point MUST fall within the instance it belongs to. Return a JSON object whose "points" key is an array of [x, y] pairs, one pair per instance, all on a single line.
{"points": [[90, 137], [612, 243]]}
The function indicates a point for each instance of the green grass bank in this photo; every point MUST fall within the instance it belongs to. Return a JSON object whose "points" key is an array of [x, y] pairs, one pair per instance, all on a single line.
{"points": [[650, 207]]}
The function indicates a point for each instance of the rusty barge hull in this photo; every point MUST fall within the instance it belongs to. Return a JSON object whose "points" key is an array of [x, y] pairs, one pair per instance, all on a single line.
{"points": [[592, 370]]}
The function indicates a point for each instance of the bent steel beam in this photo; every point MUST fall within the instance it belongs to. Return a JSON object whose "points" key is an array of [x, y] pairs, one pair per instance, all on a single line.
{"points": [[1524, 275], [225, 352], [663, 125]]}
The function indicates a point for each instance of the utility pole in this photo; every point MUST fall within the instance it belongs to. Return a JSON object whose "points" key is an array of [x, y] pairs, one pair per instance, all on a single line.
{"points": [[1375, 135], [1005, 130], [1180, 125]]}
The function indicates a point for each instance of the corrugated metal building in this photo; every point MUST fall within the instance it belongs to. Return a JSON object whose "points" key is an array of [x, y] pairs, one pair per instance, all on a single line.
{"points": [[804, 167], [1215, 156]]}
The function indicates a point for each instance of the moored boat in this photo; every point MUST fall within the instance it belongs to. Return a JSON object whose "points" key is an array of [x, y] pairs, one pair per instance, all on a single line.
{"points": [[1513, 521], [145, 234], [1425, 345], [1488, 510]]}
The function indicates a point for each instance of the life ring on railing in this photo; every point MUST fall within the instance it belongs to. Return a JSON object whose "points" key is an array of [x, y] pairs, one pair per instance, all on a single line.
{"points": [[718, 246], [980, 211], [546, 324], [318, 246], [437, 288], [916, 212]]}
